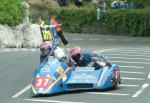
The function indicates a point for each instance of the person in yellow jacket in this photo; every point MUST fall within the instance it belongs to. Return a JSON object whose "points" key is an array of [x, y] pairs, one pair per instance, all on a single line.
{"points": [[45, 31], [53, 21], [39, 21]]}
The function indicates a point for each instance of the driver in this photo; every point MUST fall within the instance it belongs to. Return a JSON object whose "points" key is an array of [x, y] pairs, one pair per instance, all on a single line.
{"points": [[84, 58]]}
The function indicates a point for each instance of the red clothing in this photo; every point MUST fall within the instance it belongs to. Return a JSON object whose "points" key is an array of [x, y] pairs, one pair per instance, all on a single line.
{"points": [[58, 26]]}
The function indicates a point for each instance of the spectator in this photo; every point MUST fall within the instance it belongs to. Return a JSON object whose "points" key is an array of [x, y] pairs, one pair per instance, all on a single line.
{"points": [[62, 2], [102, 5], [78, 3], [53, 21], [117, 4], [127, 4], [39, 21]]}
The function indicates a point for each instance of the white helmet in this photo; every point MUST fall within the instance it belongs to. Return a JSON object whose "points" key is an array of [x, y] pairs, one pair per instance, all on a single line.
{"points": [[59, 53]]}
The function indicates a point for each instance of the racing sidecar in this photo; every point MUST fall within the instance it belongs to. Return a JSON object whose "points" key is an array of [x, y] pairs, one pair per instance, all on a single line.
{"points": [[55, 77]]}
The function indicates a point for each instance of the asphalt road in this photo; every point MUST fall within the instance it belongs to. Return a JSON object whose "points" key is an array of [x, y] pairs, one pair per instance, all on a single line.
{"points": [[131, 54]]}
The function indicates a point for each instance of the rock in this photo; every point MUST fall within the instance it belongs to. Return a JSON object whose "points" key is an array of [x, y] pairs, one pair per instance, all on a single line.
{"points": [[11, 36]]}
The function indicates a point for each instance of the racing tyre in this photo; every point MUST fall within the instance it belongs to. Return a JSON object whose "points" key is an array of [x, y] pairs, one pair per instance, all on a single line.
{"points": [[116, 85]]}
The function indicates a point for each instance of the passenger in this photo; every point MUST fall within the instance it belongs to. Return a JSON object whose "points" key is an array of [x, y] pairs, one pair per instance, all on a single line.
{"points": [[46, 49]]}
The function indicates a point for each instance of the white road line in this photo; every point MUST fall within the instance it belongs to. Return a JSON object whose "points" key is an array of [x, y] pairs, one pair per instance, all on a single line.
{"points": [[128, 39], [138, 48], [132, 72], [135, 51], [148, 76], [139, 67], [128, 58], [105, 50], [111, 39], [51, 101], [131, 62], [139, 53], [24, 49], [126, 78], [118, 94], [18, 49], [33, 50], [144, 86], [76, 39], [5, 50], [22, 91], [129, 55], [95, 39], [126, 85]]}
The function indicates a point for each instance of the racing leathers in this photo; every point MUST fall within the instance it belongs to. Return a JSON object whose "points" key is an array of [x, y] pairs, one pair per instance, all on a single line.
{"points": [[46, 49], [93, 59]]}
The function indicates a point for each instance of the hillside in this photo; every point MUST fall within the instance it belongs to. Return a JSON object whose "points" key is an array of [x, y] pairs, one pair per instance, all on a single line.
{"points": [[134, 22]]}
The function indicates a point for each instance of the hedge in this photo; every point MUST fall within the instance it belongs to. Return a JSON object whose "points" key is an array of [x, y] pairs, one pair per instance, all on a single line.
{"points": [[11, 12], [132, 22]]}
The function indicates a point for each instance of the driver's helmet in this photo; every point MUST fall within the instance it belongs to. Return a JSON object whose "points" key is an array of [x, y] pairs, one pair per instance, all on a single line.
{"points": [[77, 54], [46, 48], [59, 53]]}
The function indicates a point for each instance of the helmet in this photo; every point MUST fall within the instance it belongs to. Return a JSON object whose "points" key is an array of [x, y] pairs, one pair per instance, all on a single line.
{"points": [[46, 48], [59, 53], [76, 54]]}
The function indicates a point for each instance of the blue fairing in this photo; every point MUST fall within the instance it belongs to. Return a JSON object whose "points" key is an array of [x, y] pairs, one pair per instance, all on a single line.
{"points": [[55, 76]]}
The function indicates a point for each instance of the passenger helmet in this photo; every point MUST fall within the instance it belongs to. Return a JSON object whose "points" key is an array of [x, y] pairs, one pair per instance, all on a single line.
{"points": [[46, 48]]}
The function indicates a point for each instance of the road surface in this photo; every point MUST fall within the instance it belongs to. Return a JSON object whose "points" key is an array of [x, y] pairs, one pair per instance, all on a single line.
{"points": [[131, 54]]}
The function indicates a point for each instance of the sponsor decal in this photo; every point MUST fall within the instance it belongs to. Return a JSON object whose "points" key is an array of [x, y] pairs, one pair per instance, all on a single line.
{"points": [[85, 76], [59, 72], [56, 75], [117, 74], [47, 35], [45, 69]]}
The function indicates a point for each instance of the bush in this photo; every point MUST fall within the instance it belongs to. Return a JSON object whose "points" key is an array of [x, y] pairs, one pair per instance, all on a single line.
{"points": [[75, 20], [11, 12], [136, 23], [132, 22]]}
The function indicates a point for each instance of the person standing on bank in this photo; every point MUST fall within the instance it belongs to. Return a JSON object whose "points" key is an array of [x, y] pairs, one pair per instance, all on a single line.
{"points": [[53, 21], [39, 21]]}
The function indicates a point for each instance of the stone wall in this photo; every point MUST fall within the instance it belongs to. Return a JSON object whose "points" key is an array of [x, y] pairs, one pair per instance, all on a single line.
{"points": [[20, 36]]}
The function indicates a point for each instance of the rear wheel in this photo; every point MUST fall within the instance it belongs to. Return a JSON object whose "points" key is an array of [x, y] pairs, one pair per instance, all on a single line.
{"points": [[116, 85]]}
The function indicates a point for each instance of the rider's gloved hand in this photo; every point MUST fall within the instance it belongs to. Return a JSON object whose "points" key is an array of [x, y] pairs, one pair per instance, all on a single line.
{"points": [[108, 64], [73, 67], [90, 64]]}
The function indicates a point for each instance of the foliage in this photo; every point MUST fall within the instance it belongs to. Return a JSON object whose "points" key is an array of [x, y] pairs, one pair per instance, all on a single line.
{"points": [[136, 23], [133, 22], [11, 12]]}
